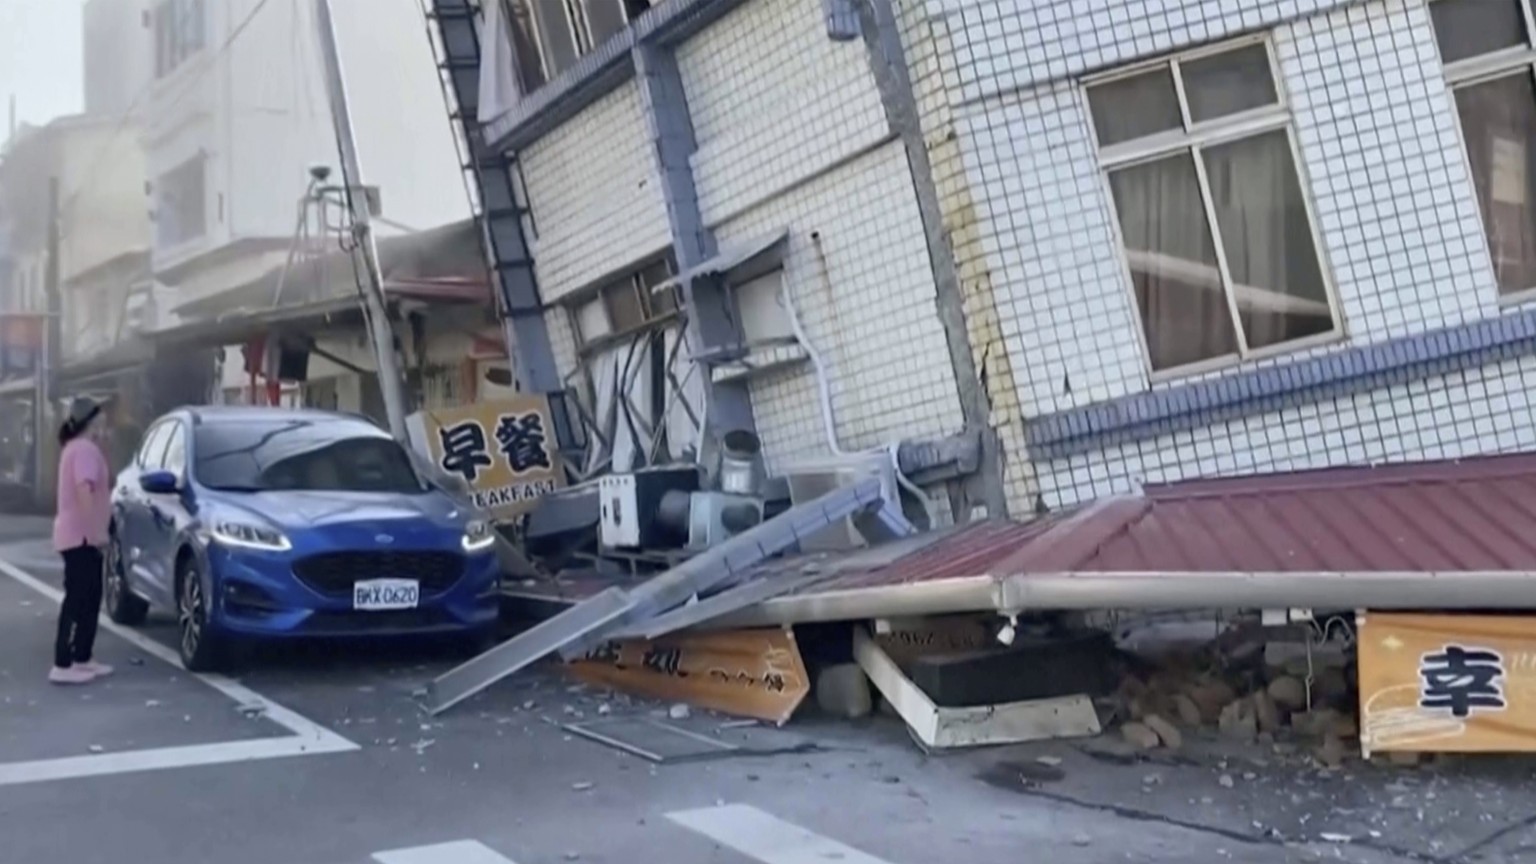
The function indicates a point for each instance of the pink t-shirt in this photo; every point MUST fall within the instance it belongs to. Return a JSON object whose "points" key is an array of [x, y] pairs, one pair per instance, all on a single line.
{"points": [[82, 462]]}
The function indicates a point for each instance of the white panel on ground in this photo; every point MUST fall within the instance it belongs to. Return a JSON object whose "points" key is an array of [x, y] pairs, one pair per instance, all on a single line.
{"points": [[767, 838], [460, 852]]}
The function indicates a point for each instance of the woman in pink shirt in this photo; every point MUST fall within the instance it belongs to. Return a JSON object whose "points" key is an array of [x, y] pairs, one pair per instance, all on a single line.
{"points": [[79, 534]]}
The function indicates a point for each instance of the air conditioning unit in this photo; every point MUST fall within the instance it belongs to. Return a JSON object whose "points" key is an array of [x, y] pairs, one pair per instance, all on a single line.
{"points": [[812, 479], [714, 517], [630, 509]]}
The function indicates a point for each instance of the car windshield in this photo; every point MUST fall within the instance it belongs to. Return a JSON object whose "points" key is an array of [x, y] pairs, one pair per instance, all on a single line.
{"points": [[325, 455]]}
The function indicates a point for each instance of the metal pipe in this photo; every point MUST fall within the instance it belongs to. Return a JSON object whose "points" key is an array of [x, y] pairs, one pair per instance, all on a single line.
{"points": [[912, 600], [1507, 589]]}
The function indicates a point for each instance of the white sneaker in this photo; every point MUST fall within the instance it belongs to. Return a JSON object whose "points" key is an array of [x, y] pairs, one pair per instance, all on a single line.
{"points": [[72, 675], [98, 670]]}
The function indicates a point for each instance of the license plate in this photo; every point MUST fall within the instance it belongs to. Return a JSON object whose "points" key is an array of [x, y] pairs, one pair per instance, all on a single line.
{"points": [[380, 594]]}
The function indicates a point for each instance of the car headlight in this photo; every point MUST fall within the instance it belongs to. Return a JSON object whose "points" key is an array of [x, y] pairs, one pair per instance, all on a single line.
{"points": [[479, 536], [250, 537]]}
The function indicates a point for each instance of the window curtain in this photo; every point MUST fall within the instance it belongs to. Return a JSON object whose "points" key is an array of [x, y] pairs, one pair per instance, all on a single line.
{"points": [[1276, 282], [1172, 259], [1498, 121]]}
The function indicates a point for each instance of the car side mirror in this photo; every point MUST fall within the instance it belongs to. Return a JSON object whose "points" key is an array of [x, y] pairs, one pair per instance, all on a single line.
{"points": [[160, 482]]}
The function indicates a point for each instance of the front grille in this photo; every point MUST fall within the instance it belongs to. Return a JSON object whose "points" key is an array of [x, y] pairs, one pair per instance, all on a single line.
{"points": [[333, 573]]}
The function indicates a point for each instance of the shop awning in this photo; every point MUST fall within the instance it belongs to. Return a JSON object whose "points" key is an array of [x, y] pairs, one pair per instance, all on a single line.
{"points": [[1429, 535]]}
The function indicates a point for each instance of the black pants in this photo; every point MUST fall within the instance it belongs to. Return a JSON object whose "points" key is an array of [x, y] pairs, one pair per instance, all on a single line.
{"points": [[82, 603]]}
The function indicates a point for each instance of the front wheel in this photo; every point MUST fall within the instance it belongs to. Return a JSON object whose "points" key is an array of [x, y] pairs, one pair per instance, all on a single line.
{"points": [[199, 646], [123, 606]]}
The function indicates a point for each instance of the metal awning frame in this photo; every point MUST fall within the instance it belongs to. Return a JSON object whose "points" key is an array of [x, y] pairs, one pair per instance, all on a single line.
{"points": [[1028, 592]]}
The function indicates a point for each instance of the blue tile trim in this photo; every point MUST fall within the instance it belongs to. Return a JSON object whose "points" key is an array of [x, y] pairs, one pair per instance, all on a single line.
{"points": [[1256, 391]]}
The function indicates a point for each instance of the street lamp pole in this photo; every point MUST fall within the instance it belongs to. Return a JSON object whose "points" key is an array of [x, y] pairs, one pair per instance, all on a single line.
{"points": [[391, 385]]}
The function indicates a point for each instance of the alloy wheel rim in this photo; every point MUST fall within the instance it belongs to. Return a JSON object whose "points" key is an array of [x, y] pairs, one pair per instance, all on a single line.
{"points": [[191, 614]]}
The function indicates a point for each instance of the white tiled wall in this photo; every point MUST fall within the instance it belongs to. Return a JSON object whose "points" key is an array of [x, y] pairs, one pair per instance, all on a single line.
{"points": [[792, 135], [597, 203], [1483, 411], [773, 102], [1380, 154], [864, 292]]}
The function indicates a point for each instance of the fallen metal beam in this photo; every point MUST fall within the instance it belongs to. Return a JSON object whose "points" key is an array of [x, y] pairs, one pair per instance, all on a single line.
{"points": [[739, 597], [586, 625], [462, 682], [906, 600], [730, 561]]}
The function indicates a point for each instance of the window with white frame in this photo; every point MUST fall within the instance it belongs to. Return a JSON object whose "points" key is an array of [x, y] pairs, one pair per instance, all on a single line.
{"points": [[626, 305], [180, 32], [1487, 49], [549, 36], [1217, 230]]}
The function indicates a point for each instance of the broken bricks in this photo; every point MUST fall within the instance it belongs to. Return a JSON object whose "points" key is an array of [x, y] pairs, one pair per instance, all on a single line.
{"points": [[1140, 735]]}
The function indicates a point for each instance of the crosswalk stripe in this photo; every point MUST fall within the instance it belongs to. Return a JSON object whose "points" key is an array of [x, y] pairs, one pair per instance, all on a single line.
{"points": [[767, 838], [460, 852]]}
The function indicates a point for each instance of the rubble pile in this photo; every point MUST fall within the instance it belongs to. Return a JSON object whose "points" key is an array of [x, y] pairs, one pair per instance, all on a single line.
{"points": [[1175, 697]]}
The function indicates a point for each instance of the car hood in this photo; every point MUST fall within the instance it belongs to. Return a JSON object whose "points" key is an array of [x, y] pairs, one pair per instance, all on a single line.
{"points": [[300, 511]]}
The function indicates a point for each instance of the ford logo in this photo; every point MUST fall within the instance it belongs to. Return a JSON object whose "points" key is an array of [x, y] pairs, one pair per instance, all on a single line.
{"points": [[384, 539]]}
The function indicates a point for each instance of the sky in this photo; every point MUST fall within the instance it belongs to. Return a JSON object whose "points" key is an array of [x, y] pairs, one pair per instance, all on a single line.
{"points": [[40, 59]]}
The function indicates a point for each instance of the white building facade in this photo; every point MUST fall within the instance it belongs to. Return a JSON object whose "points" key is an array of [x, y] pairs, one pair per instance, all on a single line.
{"points": [[238, 114], [1131, 242], [1246, 236]]}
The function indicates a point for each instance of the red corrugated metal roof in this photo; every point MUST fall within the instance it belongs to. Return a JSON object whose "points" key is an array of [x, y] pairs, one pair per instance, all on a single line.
{"points": [[1467, 515], [1473, 514]]}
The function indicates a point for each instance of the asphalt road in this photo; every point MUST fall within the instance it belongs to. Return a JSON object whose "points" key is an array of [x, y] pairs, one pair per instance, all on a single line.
{"points": [[320, 756]]}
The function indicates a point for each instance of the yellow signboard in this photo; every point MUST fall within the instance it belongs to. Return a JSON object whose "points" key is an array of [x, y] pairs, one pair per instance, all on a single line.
{"points": [[748, 673], [504, 450], [1447, 683]]}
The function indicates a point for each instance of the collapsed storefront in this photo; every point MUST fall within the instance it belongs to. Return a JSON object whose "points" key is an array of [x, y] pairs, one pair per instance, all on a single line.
{"points": [[985, 604]]}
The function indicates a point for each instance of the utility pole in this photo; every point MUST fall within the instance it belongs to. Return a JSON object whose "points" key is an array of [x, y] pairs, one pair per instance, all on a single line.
{"points": [[49, 358], [391, 385]]}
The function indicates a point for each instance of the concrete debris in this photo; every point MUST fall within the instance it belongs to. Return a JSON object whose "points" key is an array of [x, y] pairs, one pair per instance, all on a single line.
{"points": [[1403, 760], [679, 712], [1332, 753], [1049, 761], [1187, 710], [1226, 781], [1265, 711], [581, 786], [1238, 721], [1140, 735], [843, 691], [1289, 693], [1167, 733]]}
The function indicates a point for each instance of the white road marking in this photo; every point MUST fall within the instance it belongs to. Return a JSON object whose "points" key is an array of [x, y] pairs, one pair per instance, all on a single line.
{"points": [[767, 838], [308, 738], [461, 852]]}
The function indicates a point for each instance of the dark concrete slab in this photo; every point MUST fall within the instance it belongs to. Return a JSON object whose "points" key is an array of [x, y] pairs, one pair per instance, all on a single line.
{"points": [[147, 704]]}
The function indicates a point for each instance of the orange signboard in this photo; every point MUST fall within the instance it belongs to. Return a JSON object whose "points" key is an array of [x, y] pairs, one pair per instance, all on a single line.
{"points": [[748, 673], [1447, 683]]}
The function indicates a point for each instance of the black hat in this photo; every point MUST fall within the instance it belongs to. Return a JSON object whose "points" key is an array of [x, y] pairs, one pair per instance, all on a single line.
{"points": [[82, 410]]}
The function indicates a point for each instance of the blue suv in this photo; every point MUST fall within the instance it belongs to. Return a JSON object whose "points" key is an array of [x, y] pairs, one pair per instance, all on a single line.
{"points": [[257, 523]]}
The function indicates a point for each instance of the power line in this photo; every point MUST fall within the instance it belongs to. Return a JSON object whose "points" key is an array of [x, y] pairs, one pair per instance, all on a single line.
{"points": [[128, 113]]}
